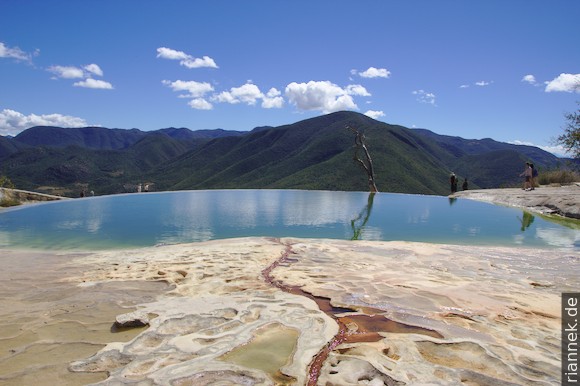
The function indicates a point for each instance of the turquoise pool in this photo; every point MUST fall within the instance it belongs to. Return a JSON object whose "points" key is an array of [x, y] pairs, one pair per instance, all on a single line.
{"points": [[146, 219]]}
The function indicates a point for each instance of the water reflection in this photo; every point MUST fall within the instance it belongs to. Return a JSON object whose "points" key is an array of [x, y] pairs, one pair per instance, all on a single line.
{"points": [[135, 220], [364, 215], [526, 220]]}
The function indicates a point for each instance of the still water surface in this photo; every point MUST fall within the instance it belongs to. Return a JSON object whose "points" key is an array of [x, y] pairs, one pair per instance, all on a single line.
{"points": [[146, 219]]}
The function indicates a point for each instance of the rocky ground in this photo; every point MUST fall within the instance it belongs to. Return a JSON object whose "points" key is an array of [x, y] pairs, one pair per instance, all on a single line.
{"points": [[225, 312], [561, 200], [408, 313], [17, 197]]}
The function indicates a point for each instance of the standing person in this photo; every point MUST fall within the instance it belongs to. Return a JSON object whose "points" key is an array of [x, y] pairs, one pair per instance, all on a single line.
{"points": [[465, 185], [534, 175], [453, 182], [527, 173]]}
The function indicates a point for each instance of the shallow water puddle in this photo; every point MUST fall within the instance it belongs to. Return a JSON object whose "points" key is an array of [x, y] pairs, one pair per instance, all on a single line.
{"points": [[271, 347]]}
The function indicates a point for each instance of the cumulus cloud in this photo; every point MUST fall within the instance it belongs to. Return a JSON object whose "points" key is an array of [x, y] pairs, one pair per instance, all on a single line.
{"points": [[194, 90], [200, 104], [273, 99], [14, 53], [564, 83], [357, 89], [185, 60], [13, 122], [374, 114], [73, 72], [250, 94], [529, 79], [94, 69], [94, 83], [67, 72], [206, 61], [168, 53], [85, 72], [322, 95], [425, 97], [373, 72]]}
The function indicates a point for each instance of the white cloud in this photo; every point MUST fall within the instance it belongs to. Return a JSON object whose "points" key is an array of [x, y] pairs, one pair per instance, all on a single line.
{"points": [[557, 150], [185, 59], [206, 61], [425, 97], [529, 79], [67, 72], [564, 83], [481, 83], [168, 53], [94, 69], [14, 53], [374, 114], [248, 93], [273, 99], [319, 95], [12, 122], [94, 83], [200, 104], [85, 73], [373, 72], [357, 89], [194, 89]]}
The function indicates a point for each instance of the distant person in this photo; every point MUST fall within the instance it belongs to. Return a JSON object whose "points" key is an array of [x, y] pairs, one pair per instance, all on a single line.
{"points": [[453, 182], [139, 188], [465, 184], [82, 193], [534, 176], [146, 187], [527, 174]]}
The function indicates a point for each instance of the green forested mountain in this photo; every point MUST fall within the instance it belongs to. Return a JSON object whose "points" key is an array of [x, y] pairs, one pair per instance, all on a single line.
{"points": [[311, 154]]}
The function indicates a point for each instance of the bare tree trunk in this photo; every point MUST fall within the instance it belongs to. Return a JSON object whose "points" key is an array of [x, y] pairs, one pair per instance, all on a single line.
{"points": [[359, 143]]}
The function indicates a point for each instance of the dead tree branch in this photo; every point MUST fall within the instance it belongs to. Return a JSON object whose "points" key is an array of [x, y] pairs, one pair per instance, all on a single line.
{"points": [[360, 143]]}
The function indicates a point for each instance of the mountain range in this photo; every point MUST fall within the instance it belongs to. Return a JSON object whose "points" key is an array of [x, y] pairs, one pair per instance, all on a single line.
{"points": [[315, 153]]}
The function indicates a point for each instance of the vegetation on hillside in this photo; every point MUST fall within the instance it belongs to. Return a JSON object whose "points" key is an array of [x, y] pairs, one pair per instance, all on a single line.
{"points": [[560, 177], [315, 153]]}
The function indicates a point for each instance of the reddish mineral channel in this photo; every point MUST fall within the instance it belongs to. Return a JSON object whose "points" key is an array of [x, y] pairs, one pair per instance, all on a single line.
{"points": [[352, 328]]}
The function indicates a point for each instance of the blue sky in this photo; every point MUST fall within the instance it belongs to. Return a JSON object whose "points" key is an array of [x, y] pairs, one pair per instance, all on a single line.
{"points": [[508, 70]]}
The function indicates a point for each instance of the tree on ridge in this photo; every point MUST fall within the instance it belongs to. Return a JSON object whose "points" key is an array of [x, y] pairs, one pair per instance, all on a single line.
{"points": [[571, 137]]}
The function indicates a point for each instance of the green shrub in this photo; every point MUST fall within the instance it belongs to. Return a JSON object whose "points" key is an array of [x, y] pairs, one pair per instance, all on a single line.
{"points": [[558, 177], [6, 183], [7, 200]]}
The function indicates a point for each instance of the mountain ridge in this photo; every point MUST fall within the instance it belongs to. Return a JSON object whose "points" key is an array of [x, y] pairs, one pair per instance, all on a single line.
{"points": [[314, 153]]}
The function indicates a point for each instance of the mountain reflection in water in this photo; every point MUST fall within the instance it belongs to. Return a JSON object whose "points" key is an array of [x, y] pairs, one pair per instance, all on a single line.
{"points": [[146, 219]]}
